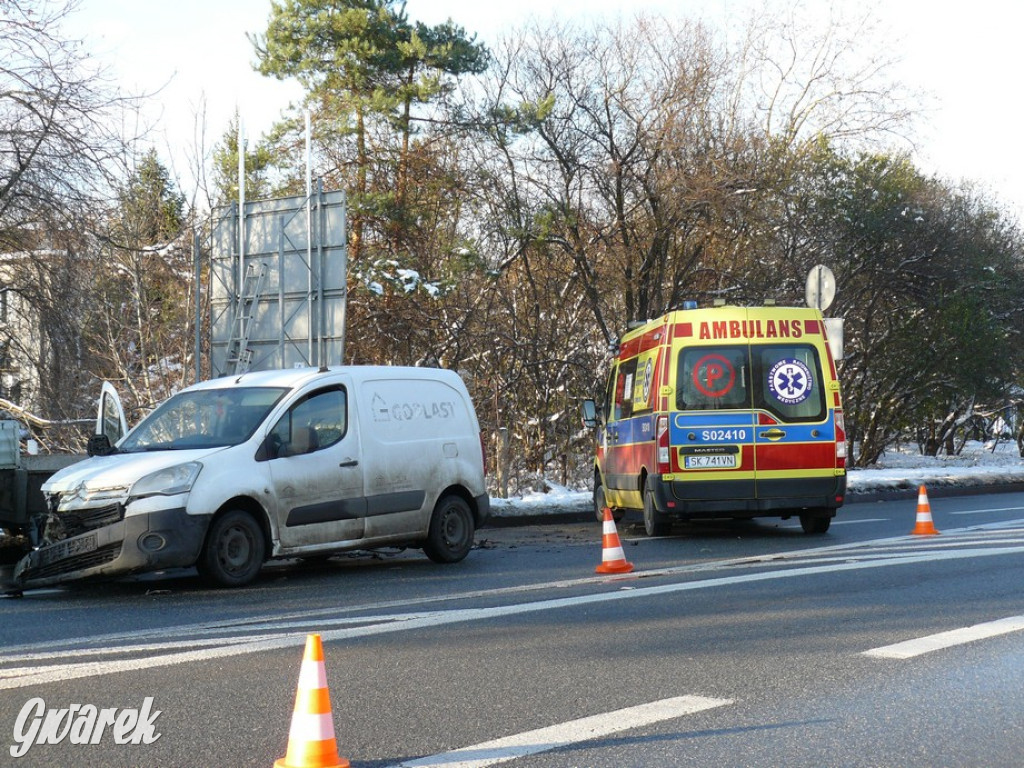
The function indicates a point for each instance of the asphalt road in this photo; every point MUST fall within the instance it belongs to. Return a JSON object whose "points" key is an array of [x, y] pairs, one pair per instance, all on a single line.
{"points": [[745, 644]]}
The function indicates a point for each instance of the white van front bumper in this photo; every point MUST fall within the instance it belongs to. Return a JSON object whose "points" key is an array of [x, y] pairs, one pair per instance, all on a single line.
{"points": [[166, 538]]}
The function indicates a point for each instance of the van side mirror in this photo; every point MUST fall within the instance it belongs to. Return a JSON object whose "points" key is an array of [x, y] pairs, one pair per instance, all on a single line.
{"points": [[269, 449], [589, 409], [99, 445]]}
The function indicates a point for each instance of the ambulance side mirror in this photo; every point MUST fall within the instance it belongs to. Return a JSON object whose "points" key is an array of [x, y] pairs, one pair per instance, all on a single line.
{"points": [[589, 409]]}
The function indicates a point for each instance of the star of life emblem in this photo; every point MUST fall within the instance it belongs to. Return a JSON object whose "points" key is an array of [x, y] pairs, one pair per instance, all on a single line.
{"points": [[789, 381]]}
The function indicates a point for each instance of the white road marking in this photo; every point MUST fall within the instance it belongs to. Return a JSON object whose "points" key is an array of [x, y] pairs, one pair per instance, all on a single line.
{"points": [[858, 522], [166, 646], [921, 645], [564, 734], [381, 625], [984, 511]]}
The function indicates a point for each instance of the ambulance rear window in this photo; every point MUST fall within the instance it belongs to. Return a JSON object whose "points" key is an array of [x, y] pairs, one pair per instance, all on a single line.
{"points": [[712, 378], [789, 381], [783, 379]]}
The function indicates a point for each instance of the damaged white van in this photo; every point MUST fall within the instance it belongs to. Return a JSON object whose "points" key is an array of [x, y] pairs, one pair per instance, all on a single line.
{"points": [[273, 464]]}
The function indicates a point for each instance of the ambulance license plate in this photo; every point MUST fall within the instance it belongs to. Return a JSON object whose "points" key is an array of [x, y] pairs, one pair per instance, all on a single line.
{"points": [[715, 461]]}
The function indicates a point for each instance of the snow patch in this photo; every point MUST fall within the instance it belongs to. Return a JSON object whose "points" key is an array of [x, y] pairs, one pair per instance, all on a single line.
{"points": [[977, 465]]}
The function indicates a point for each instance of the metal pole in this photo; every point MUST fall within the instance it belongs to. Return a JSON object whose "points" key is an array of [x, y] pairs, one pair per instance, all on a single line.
{"points": [[281, 352], [321, 322], [312, 330], [240, 280], [198, 297], [344, 275]]}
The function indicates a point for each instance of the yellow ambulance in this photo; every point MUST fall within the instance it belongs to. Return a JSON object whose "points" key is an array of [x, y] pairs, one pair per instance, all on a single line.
{"points": [[722, 412]]}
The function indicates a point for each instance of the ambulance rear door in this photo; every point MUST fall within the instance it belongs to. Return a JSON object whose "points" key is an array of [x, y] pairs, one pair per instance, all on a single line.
{"points": [[794, 434], [713, 427]]}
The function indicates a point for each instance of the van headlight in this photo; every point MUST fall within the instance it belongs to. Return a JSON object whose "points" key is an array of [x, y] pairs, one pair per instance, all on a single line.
{"points": [[88, 495], [167, 482]]}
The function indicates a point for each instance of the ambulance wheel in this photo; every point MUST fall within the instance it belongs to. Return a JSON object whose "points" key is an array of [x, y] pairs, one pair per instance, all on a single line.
{"points": [[451, 531], [654, 523], [600, 504], [233, 552], [815, 523]]}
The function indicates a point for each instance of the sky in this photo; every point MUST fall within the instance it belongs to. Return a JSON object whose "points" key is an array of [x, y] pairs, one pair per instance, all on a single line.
{"points": [[965, 60]]}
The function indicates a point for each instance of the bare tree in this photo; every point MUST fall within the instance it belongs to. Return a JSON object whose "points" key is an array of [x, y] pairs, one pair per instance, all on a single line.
{"points": [[807, 70], [61, 124], [60, 119]]}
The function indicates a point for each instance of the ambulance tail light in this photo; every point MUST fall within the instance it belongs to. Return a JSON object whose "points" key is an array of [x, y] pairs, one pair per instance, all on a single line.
{"points": [[664, 460], [483, 450], [840, 440]]}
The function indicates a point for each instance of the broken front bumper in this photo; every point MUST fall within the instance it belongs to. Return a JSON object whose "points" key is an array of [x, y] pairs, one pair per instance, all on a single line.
{"points": [[167, 538]]}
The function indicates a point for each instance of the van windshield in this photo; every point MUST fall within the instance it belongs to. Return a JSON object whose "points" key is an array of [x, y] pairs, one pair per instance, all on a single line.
{"points": [[205, 418], [783, 379]]}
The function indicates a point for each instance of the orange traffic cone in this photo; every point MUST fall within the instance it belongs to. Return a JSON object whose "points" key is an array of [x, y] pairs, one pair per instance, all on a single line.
{"points": [[311, 742], [613, 559], [924, 526]]}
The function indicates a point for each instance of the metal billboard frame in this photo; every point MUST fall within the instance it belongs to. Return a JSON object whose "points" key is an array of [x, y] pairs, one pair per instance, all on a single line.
{"points": [[277, 281]]}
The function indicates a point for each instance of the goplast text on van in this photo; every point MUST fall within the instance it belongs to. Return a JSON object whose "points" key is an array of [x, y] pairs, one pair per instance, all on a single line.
{"points": [[723, 412]]}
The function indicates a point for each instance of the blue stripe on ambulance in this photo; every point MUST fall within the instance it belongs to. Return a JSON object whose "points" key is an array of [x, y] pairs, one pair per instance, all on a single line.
{"points": [[635, 430], [733, 429]]}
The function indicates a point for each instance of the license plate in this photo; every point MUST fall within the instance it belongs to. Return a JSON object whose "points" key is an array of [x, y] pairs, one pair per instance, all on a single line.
{"points": [[716, 461], [67, 548]]}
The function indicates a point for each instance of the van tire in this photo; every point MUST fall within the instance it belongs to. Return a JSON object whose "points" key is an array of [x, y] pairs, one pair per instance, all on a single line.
{"points": [[233, 552], [815, 523], [654, 523], [450, 536]]}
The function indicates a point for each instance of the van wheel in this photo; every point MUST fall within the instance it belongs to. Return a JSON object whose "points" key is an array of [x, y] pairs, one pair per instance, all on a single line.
{"points": [[451, 531], [654, 523], [233, 552], [815, 523]]}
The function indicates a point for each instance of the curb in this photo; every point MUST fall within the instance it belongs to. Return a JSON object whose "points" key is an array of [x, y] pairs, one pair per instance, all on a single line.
{"points": [[936, 489]]}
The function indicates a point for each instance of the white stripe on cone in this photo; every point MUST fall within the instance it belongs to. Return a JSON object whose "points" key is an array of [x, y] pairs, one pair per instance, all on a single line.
{"points": [[312, 674], [308, 726]]}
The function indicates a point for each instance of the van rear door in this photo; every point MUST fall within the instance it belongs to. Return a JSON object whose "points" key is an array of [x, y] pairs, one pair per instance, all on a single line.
{"points": [[715, 435]]}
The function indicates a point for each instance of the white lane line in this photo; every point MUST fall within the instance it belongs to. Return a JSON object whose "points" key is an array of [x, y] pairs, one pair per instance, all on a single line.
{"points": [[984, 511], [911, 648], [22, 677], [564, 734], [858, 522], [221, 627]]}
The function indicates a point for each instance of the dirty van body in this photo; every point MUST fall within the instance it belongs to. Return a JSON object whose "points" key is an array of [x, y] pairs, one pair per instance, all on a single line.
{"points": [[724, 412], [273, 464]]}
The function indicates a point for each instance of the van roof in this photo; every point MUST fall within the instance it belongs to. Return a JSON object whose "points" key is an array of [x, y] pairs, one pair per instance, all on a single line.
{"points": [[295, 377]]}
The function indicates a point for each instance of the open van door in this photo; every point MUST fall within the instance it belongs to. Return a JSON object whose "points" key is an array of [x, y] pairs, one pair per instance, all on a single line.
{"points": [[111, 424]]}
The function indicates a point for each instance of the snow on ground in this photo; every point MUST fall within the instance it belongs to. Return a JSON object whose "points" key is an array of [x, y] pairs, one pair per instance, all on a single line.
{"points": [[978, 465]]}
